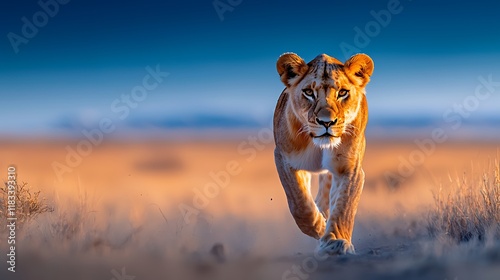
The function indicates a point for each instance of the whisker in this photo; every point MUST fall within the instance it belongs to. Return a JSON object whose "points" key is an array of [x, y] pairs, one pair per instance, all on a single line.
{"points": [[351, 126], [304, 129], [351, 130]]}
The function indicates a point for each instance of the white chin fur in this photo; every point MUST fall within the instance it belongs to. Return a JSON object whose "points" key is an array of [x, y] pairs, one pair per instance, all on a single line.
{"points": [[327, 142]]}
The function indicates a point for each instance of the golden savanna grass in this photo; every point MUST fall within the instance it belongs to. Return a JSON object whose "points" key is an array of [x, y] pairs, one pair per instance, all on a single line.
{"points": [[120, 208], [470, 210], [28, 204]]}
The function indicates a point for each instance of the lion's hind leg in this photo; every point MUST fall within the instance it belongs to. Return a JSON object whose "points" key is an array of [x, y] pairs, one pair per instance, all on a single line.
{"points": [[323, 196]]}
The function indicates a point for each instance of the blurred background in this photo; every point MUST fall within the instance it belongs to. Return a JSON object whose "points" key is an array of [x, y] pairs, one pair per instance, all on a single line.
{"points": [[220, 57], [141, 131]]}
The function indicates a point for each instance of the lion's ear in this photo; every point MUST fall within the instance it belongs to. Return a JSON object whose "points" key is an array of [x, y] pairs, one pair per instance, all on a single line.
{"points": [[291, 68], [359, 68]]}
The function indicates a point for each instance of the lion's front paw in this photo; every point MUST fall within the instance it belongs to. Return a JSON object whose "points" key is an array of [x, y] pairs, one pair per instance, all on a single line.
{"points": [[337, 247]]}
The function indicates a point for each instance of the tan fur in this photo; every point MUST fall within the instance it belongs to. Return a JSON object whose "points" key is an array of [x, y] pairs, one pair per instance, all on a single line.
{"points": [[318, 130]]}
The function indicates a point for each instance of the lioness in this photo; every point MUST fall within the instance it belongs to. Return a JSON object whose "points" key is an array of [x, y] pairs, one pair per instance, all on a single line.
{"points": [[319, 126]]}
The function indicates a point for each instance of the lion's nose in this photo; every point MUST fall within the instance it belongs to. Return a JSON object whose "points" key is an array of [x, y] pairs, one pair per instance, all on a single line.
{"points": [[326, 123]]}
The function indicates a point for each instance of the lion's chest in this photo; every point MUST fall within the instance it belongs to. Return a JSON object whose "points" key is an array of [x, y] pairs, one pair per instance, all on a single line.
{"points": [[311, 159]]}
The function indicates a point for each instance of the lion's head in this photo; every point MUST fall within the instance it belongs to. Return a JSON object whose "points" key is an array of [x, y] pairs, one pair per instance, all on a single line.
{"points": [[325, 93]]}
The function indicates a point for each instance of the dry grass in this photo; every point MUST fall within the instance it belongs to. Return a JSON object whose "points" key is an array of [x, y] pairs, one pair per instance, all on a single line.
{"points": [[471, 211], [119, 216], [29, 204]]}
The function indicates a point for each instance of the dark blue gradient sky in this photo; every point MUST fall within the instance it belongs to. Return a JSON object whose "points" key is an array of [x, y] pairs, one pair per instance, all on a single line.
{"points": [[428, 57]]}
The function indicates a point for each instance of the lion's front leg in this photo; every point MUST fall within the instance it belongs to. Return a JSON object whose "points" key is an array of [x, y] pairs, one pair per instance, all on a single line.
{"points": [[296, 184], [344, 200]]}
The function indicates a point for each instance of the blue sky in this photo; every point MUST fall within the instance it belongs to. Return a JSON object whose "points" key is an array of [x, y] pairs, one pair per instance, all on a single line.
{"points": [[428, 57]]}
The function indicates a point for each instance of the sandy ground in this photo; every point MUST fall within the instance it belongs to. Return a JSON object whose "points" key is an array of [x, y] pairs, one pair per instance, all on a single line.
{"points": [[120, 211]]}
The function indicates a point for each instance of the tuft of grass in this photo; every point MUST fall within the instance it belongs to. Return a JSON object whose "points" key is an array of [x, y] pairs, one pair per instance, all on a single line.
{"points": [[29, 204], [471, 211]]}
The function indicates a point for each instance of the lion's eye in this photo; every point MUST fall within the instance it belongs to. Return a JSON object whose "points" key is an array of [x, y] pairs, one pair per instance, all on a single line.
{"points": [[308, 92], [343, 93]]}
